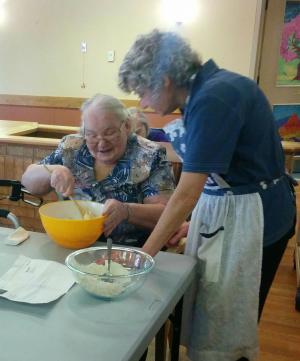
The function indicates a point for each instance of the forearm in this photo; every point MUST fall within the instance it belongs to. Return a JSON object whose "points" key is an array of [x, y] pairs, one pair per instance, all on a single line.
{"points": [[36, 179], [168, 224], [144, 215], [177, 210]]}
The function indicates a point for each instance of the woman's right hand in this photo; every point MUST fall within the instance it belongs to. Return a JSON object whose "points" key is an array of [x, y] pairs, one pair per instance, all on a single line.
{"points": [[62, 180]]}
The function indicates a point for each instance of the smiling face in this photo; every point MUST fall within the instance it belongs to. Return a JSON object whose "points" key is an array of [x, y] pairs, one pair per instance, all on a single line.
{"points": [[106, 135]]}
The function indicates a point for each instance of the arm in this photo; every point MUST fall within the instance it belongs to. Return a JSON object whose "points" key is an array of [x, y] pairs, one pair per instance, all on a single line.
{"points": [[144, 215], [147, 214], [36, 179], [40, 180], [177, 210]]}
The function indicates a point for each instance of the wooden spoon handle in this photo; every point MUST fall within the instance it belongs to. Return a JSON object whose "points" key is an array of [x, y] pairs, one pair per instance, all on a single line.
{"points": [[82, 212]]}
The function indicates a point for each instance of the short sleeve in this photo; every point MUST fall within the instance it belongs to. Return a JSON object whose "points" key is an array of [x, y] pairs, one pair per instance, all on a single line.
{"points": [[212, 130], [56, 157]]}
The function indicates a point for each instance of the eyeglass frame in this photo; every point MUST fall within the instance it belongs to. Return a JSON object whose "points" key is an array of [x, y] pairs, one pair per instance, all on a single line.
{"points": [[108, 138]]}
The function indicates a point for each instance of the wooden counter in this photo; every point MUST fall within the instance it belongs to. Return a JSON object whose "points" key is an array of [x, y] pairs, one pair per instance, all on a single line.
{"points": [[19, 132], [8, 127]]}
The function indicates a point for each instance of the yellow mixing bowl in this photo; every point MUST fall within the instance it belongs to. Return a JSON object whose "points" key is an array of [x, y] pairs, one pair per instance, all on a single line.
{"points": [[65, 226]]}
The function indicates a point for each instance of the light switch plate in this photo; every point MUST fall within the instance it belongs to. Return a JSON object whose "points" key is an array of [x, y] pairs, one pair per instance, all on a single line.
{"points": [[110, 56]]}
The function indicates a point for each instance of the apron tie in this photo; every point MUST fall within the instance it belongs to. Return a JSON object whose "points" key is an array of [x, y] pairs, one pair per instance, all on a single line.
{"points": [[244, 189]]}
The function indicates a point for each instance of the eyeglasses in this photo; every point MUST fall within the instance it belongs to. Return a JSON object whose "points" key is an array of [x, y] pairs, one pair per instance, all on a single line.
{"points": [[110, 135]]}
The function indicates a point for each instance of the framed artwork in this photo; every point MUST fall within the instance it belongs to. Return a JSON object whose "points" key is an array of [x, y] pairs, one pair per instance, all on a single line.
{"points": [[287, 117], [289, 55]]}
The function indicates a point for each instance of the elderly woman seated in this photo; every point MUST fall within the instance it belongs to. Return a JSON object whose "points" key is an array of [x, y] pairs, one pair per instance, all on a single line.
{"points": [[108, 163], [140, 126]]}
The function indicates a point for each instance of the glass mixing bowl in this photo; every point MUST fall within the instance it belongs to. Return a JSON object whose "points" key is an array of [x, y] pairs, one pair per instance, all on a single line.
{"points": [[129, 269]]}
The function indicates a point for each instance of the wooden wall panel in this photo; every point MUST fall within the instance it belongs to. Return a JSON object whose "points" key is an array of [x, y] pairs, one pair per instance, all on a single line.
{"points": [[31, 114], [65, 116], [14, 159], [2, 164]]}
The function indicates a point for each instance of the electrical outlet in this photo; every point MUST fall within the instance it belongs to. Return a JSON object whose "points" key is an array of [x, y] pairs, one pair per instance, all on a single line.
{"points": [[83, 47]]}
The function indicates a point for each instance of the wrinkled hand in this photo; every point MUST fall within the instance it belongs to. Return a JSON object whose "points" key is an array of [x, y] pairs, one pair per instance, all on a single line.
{"points": [[62, 180], [181, 232], [115, 212]]}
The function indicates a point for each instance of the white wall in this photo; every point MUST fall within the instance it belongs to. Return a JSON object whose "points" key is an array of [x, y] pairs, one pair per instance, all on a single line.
{"points": [[40, 41]]}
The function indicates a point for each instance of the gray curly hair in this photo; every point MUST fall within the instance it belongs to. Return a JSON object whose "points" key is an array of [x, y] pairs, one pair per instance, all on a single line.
{"points": [[154, 56]]}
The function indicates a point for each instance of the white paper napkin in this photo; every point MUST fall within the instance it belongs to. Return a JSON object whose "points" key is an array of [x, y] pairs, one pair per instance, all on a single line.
{"points": [[35, 281], [18, 236]]}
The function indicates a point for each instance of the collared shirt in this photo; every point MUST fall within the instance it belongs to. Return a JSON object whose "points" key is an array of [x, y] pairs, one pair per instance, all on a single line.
{"points": [[142, 172], [230, 131]]}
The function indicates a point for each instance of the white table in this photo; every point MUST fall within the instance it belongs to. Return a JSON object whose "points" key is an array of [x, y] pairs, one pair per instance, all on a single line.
{"points": [[80, 327]]}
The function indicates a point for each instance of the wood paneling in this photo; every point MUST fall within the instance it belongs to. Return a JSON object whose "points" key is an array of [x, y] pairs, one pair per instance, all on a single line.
{"points": [[63, 116], [14, 159], [42, 115], [60, 110]]}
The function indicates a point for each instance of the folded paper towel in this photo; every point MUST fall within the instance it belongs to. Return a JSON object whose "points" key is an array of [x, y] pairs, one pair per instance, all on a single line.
{"points": [[17, 237]]}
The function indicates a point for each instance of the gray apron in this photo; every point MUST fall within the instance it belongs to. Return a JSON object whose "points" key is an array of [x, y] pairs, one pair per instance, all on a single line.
{"points": [[221, 308]]}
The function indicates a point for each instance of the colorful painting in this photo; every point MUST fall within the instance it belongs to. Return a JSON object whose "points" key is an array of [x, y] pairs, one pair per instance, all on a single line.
{"points": [[289, 59], [288, 121]]}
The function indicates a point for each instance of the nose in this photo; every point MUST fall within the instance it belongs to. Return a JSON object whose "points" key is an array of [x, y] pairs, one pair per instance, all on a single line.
{"points": [[144, 102], [101, 142]]}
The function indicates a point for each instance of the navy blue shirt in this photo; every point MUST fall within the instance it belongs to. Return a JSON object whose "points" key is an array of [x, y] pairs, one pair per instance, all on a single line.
{"points": [[230, 130]]}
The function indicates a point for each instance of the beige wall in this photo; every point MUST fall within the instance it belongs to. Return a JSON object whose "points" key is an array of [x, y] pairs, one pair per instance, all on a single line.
{"points": [[40, 41]]}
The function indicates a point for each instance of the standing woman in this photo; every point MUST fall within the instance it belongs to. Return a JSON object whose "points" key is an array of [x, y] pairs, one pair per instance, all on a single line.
{"points": [[233, 180]]}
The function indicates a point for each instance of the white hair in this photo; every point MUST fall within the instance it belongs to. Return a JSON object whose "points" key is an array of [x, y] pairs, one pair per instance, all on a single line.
{"points": [[104, 103]]}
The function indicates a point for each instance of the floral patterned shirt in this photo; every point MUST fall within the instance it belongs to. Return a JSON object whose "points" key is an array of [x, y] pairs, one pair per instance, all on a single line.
{"points": [[142, 172]]}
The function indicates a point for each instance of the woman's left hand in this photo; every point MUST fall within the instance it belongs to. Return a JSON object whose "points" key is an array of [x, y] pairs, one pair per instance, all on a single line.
{"points": [[181, 232], [115, 212]]}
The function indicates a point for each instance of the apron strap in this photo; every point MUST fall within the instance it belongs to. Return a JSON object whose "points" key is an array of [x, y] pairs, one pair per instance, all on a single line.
{"points": [[244, 189]]}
